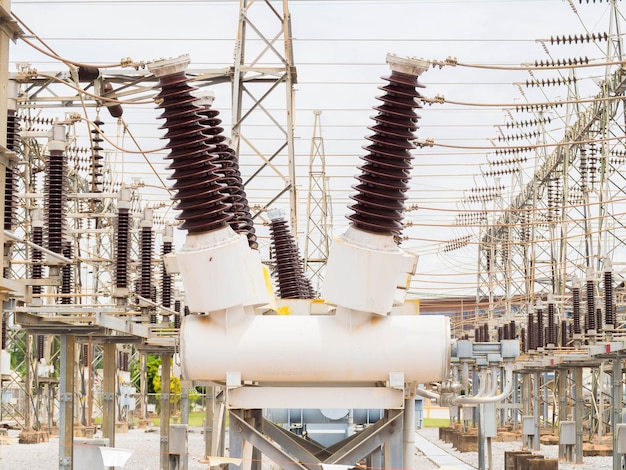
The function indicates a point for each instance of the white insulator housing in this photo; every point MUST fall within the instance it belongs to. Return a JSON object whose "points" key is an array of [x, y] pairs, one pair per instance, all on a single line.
{"points": [[314, 348], [367, 272], [218, 271]]}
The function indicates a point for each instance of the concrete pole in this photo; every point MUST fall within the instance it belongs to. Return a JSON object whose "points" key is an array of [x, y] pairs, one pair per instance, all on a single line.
{"points": [[108, 393], [209, 403], [166, 364], [536, 410], [561, 391], [408, 433], [143, 385], [515, 402], [184, 416], [66, 403], [578, 412], [616, 415]]}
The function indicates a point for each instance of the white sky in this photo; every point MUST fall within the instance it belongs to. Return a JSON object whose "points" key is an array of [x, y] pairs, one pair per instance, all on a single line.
{"points": [[339, 52]]}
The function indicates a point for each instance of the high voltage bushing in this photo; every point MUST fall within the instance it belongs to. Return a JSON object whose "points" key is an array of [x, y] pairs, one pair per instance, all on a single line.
{"points": [[564, 338], [608, 294], [523, 339], [85, 355], [201, 197], [551, 336], [67, 275], [590, 323], [37, 255], [228, 169], [532, 337], [385, 176], [55, 191], [122, 240], [576, 38], [40, 347], [292, 282], [166, 279], [177, 317], [576, 306], [13, 127], [146, 240], [540, 325]]}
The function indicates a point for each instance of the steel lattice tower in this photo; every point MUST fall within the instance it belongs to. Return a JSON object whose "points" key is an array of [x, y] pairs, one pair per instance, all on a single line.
{"points": [[318, 208]]}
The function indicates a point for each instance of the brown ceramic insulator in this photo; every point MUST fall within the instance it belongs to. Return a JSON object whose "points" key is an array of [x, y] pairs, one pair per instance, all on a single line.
{"points": [[96, 157], [551, 337], [540, 326], [124, 361], [609, 318], [145, 281], [201, 200], [292, 283], [115, 109], [177, 317], [385, 176], [564, 339], [531, 332], [486, 336], [598, 320], [590, 319], [477, 335], [3, 333], [522, 335], [13, 125], [241, 221], [122, 247], [37, 267], [40, 347], [55, 197], [512, 333], [501, 334], [576, 310], [166, 279], [85, 355], [67, 275], [87, 73]]}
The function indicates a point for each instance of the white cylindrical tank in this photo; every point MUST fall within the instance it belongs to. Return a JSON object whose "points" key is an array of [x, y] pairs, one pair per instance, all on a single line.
{"points": [[317, 349]]}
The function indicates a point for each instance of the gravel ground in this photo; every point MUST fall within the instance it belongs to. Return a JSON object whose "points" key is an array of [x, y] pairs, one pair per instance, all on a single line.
{"points": [[145, 456]]}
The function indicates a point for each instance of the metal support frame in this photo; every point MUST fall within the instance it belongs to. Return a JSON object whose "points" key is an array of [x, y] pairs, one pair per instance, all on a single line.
{"points": [[578, 412], [66, 408], [256, 82], [166, 364], [616, 412], [291, 451], [108, 393]]}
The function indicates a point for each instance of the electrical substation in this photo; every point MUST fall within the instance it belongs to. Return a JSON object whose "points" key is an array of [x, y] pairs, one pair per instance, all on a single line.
{"points": [[306, 343]]}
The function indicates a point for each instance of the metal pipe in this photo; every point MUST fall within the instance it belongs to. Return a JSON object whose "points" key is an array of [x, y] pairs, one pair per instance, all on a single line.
{"points": [[508, 387], [408, 433], [50, 253]]}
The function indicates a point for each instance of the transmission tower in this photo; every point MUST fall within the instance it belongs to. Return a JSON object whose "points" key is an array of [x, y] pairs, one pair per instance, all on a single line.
{"points": [[563, 220], [263, 79], [317, 208]]}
